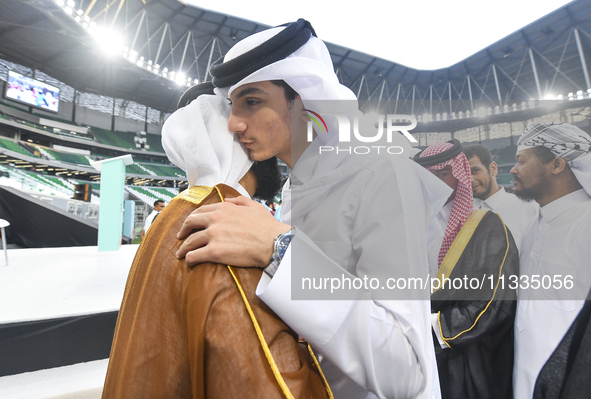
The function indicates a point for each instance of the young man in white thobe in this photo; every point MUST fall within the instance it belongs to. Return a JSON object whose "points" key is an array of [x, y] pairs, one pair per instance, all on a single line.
{"points": [[488, 195], [371, 347], [554, 169]]}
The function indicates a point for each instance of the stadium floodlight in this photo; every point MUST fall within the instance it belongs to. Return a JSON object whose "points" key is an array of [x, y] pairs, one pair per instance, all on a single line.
{"points": [[109, 41], [68, 10], [371, 114], [481, 112], [71, 3], [60, 3], [180, 78]]}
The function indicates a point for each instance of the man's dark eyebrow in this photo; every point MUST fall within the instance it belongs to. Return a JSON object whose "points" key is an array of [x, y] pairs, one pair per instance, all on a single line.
{"points": [[247, 91]]}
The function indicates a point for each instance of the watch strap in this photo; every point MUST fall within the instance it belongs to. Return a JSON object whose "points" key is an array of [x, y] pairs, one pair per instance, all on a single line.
{"points": [[280, 245]]}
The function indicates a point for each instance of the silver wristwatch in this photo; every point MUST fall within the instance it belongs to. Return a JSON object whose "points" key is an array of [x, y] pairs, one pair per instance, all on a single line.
{"points": [[280, 245]]}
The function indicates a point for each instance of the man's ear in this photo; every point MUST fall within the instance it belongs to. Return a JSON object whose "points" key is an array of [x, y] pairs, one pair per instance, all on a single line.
{"points": [[494, 169], [298, 106], [558, 165]]}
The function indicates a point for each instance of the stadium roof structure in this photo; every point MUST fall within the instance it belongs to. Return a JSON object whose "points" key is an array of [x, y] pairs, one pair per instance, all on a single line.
{"points": [[165, 46]]}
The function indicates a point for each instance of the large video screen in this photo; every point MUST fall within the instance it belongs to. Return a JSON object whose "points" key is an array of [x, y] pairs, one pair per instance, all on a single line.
{"points": [[32, 92]]}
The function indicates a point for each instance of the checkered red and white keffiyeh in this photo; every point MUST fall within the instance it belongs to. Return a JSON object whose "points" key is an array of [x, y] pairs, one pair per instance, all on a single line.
{"points": [[464, 200]]}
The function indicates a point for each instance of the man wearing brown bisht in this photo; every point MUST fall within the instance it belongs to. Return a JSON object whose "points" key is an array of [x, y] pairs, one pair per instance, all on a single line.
{"points": [[202, 332]]}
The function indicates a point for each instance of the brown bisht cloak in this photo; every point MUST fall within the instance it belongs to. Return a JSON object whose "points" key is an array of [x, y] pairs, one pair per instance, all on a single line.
{"points": [[186, 332], [477, 323]]}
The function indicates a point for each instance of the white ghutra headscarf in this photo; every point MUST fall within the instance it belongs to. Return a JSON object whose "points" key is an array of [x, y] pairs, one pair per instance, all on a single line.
{"points": [[196, 139]]}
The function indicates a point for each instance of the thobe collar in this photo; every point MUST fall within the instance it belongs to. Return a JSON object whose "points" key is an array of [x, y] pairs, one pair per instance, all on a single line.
{"points": [[555, 208], [491, 202]]}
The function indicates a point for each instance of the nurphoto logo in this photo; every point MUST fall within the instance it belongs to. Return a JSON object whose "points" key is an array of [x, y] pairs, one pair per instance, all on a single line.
{"points": [[372, 130]]}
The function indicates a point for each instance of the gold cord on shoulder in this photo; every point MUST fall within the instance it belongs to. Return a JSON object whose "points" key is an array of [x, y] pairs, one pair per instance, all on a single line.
{"points": [[317, 364], [259, 332]]}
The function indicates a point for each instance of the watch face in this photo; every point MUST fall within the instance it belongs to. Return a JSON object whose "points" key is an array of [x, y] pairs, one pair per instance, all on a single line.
{"points": [[281, 245]]}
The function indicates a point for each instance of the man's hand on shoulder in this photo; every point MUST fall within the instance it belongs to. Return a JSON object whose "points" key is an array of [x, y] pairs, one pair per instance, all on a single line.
{"points": [[238, 232]]}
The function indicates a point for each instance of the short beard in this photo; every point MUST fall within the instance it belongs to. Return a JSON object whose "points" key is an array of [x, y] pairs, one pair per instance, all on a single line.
{"points": [[268, 177], [532, 193], [488, 189], [524, 197]]}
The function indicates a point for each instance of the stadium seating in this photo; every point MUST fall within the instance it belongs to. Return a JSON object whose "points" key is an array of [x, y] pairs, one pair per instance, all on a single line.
{"points": [[116, 139], [148, 195], [155, 142], [126, 139], [13, 146], [505, 179], [506, 155], [138, 168], [135, 170], [165, 170], [64, 156]]}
